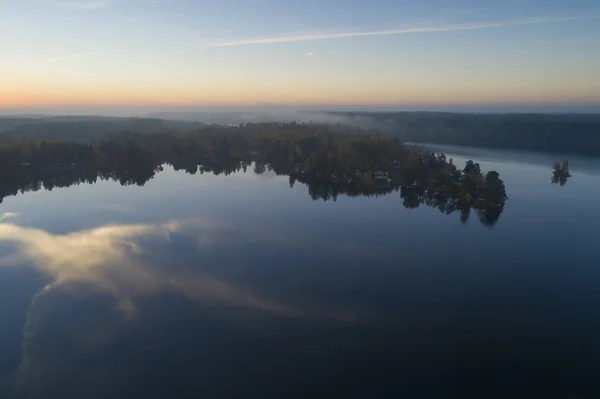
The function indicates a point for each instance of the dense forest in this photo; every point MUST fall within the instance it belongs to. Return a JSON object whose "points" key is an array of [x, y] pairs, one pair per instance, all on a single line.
{"points": [[564, 133], [330, 163], [81, 128]]}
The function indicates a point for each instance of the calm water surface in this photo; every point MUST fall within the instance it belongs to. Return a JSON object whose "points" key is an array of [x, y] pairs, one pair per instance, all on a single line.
{"points": [[240, 286]]}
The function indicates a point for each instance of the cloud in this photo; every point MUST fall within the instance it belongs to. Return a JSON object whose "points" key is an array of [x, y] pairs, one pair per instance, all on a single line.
{"points": [[414, 30], [69, 57], [74, 256], [310, 54], [8, 215], [86, 5], [108, 259], [144, 22]]}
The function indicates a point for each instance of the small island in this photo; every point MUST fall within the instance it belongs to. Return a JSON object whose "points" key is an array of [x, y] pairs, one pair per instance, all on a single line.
{"points": [[560, 173]]}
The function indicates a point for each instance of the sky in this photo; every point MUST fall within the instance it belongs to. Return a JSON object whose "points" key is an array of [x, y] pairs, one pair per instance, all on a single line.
{"points": [[311, 53]]}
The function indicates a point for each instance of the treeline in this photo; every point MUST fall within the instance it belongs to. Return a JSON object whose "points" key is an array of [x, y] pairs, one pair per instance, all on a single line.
{"points": [[330, 163], [564, 133], [81, 128]]}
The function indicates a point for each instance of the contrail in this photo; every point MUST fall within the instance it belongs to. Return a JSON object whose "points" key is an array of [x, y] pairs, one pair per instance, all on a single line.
{"points": [[69, 57], [426, 29]]}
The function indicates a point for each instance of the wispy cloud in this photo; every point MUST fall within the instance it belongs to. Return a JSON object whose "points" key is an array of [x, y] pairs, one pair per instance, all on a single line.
{"points": [[108, 259], [413, 30], [8, 215], [144, 22], [86, 5], [310, 54], [69, 57]]}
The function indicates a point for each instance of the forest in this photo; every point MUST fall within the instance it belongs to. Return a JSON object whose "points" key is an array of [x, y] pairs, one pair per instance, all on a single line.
{"points": [[328, 162], [81, 128], [562, 133], [558, 133]]}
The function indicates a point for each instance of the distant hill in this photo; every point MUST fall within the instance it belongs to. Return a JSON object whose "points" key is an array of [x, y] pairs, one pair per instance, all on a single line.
{"points": [[10, 122], [223, 117], [81, 128], [572, 133]]}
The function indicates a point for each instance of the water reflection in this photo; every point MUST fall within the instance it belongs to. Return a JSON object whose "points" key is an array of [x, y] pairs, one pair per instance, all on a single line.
{"points": [[449, 320], [110, 259], [420, 178], [117, 264], [560, 173]]}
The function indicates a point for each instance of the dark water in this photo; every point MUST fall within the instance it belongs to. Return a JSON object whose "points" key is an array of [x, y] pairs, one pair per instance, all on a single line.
{"points": [[240, 286]]}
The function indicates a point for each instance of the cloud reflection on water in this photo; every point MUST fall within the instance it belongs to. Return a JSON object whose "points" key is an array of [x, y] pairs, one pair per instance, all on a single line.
{"points": [[108, 259], [112, 260], [119, 260]]}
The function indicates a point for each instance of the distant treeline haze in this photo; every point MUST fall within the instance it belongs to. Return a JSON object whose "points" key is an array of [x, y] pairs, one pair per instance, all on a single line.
{"points": [[563, 133]]}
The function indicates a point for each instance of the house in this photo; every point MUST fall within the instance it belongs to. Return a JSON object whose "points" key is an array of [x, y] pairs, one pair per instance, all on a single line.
{"points": [[381, 175]]}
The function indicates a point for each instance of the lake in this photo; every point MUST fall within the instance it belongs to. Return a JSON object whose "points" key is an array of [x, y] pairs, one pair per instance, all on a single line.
{"points": [[242, 286]]}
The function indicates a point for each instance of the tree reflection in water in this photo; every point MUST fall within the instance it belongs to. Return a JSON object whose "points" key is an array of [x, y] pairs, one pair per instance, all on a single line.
{"points": [[560, 173], [330, 165]]}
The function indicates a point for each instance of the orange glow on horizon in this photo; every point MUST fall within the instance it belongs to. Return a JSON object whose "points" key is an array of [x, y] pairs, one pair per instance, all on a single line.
{"points": [[232, 95]]}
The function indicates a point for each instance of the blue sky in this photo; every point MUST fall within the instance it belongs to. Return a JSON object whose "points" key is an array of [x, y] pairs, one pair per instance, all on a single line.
{"points": [[328, 52]]}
